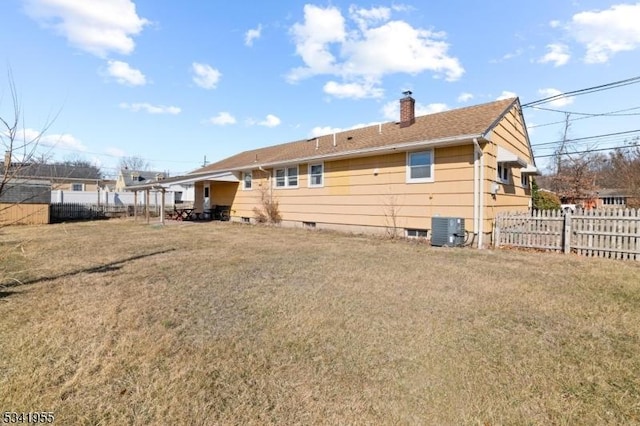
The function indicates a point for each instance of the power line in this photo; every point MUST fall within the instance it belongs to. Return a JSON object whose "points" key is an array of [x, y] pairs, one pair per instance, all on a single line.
{"points": [[589, 114], [586, 115], [587, 151], [593, 89], [586, 138]]}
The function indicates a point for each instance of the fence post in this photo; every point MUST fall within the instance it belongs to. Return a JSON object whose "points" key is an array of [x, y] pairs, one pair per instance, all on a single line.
{"points": [[567, 233], [496, 232]]}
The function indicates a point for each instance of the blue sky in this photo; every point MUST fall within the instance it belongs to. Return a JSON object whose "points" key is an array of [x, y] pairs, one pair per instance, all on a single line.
{"points": [[174, 81]]}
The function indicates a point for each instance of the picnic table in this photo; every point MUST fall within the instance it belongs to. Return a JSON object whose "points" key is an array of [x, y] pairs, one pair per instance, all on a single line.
{"points": [[180, 213]]}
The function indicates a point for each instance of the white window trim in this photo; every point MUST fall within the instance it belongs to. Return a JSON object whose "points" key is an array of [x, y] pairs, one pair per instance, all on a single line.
{"points": [[526, 177], [312, 185], [499, 177], [82, 187], [244, 174], [431, 172], [286, 177]]}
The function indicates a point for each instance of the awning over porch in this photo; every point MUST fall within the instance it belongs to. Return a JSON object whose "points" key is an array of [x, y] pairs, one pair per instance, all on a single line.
{"points": [[186, 179]]}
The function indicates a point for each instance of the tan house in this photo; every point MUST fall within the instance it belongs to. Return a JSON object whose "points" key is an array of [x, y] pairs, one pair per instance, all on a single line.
{"points": [[66, 177], [127, 178], [469, 163]]}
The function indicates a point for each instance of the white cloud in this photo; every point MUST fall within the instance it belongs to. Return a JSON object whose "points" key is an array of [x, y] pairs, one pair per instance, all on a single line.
{"points": [[270, 121], [321, 27], [328, 130], [554, 24], [251, 35], [116, 152], [370, 48], [151, 109], [124, 74], [222, 119], [367, 17], [558, 54], [62, 140], [607, 32], [391, 110], [465, 97], [366, 89], [506, 95], [560, 102], [98, 26], [205, 76]]}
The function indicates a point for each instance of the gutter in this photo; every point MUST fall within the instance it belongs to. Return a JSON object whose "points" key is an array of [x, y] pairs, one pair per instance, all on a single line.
{"points": [[458, 140]]}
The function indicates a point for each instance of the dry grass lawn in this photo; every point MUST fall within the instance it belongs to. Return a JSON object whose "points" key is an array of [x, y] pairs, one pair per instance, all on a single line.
{"points": [[215, 323]]}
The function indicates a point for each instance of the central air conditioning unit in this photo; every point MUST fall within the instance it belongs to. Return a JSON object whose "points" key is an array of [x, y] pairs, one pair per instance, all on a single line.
{"points": [[447, 231]]}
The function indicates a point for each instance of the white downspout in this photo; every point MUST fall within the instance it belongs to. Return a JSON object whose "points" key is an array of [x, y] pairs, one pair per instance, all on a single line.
{"points": [[476, 184], [480, 216]]}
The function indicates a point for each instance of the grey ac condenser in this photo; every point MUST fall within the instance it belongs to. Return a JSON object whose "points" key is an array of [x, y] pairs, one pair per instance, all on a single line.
{"points": [[447, 231]]}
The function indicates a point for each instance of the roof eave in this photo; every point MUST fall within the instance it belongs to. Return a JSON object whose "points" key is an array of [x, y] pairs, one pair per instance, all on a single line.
{"points": [[433, 143]]}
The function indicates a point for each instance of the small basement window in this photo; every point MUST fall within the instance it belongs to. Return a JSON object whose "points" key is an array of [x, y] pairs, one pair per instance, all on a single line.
{"points": [[416, 233], [308, 225], [246, 219]]}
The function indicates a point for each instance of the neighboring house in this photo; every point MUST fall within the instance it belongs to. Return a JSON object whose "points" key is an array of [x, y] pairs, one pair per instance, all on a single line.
{"points": [[127, 179], [605, 198], [64, 177], [25, 202], [468, 163]]}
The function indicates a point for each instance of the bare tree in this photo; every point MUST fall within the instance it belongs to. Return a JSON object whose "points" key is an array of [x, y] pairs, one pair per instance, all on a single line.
{"points": [[20, 148], [134, 163], [625, 170]]}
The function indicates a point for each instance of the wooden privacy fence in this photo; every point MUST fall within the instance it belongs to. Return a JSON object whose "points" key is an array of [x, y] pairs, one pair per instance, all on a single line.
{"points": [[607, 233]]}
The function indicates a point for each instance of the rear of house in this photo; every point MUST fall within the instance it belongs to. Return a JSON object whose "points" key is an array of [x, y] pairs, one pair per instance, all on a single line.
{"points": [[469, 163]]}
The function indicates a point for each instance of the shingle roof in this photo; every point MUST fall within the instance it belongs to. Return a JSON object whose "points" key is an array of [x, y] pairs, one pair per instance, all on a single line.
{"points": [[469, 121], [137, 177], [55, 171]]}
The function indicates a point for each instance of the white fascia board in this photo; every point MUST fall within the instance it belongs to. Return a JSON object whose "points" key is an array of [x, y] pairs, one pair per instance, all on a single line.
{"points": [[407, 146]]}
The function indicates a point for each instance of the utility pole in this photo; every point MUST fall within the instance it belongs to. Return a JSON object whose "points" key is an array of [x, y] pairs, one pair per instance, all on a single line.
{"points": [[205, 162], [563, 145]]}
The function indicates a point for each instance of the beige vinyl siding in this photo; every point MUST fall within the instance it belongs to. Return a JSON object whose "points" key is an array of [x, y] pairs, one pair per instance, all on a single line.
{"points": [[223, 193], [24, 214], [363, 191], [510, 134]]}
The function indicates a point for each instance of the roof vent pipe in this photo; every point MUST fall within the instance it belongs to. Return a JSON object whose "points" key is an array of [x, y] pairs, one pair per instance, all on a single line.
{"points": [[334, 140], [379, 128], [317, 143]]}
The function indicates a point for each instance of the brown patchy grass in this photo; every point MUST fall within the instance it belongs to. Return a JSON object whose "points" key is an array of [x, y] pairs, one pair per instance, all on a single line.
{"points": [[216, 323]]}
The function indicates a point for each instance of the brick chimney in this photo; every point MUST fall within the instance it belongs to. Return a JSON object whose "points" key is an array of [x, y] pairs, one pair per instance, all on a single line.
{"points": [[7, 159], [407, 110]]}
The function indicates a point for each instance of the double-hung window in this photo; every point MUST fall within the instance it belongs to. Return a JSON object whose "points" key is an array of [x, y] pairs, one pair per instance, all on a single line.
{"points": [[420, 166], [503, 173], [77, 186], [247, 178], [286, 177], [316, 175]]}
